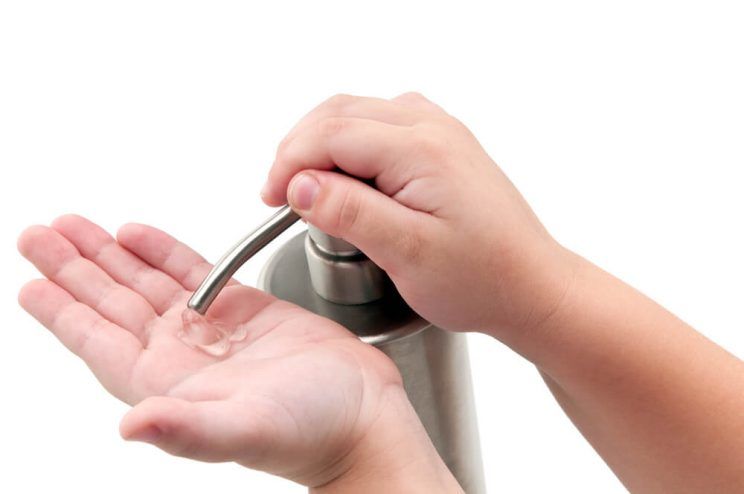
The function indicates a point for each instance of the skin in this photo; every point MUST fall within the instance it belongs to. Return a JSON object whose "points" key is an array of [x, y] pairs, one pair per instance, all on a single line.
{"points": [[659, 402]]}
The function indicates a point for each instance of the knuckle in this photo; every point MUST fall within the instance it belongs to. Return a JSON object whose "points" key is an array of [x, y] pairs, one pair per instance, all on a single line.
{"points": [[348, 212], [410, 246], [281, 148], [82, 342], [287, 157], [331, 126], [429, 145], [413, 95], [459, 125], [338, 100]]}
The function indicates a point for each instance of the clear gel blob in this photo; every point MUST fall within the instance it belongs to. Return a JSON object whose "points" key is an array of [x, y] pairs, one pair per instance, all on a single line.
{"points": [[211, 336]]}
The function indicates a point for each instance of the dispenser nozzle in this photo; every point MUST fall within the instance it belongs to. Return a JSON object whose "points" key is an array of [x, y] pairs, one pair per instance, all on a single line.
{"points": [[218, 277]]}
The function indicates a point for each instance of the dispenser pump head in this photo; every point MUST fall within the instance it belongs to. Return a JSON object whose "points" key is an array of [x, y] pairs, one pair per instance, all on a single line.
{"points": [[339, 272]]}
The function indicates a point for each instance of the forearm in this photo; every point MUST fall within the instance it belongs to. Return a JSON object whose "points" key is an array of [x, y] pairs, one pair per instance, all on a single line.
{"points": [[394, 456], [662, 404]]}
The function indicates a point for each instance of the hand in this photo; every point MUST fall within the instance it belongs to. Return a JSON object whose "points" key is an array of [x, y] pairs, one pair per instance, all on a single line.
{"points": [[300, 397], [462, 246]]}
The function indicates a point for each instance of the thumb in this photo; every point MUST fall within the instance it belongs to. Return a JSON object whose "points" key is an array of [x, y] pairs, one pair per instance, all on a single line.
{"points": [[203, 430], [386, 231]]}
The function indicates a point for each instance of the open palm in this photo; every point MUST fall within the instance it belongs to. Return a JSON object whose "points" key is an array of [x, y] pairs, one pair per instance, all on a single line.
{"points": [[292, 398]]}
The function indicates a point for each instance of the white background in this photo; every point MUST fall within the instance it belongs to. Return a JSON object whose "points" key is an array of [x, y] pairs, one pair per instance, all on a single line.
{"points": [[621, 122]]}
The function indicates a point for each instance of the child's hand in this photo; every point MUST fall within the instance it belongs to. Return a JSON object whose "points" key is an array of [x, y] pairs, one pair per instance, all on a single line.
{"points": [[301, 397], [458, 240]]}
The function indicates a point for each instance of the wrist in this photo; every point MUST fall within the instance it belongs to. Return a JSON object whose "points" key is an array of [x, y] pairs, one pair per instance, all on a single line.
{"points": [[534, 293], [395, 455], [579, 327]]}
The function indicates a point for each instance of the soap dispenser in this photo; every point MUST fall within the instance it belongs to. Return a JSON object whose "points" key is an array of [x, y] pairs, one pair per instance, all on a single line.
{"points": [[332, 278]]}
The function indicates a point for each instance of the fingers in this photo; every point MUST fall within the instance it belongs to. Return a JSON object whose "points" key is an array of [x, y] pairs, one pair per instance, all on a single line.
{"points": [[96, 244], [57, 259], [202, 430], [109, 350], [364, 129], [387, 232], [405, 110], [360, 147], [165, 253], [345, 105], [419, 102]]}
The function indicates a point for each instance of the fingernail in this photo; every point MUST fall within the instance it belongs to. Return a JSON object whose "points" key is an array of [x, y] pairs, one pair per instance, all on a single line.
{"points": [[303, 191], [147, 434]]}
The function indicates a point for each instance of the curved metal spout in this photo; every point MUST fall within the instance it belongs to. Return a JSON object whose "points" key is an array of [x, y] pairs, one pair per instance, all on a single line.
{"points": [[218, 277]]}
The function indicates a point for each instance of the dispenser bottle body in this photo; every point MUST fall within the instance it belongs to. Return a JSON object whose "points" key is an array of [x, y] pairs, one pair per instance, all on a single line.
{"points": [[433, 362], [435, 367]]}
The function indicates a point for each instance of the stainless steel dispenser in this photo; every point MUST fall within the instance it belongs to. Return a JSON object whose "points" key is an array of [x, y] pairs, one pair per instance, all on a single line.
{"points": [[331, 277]]}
